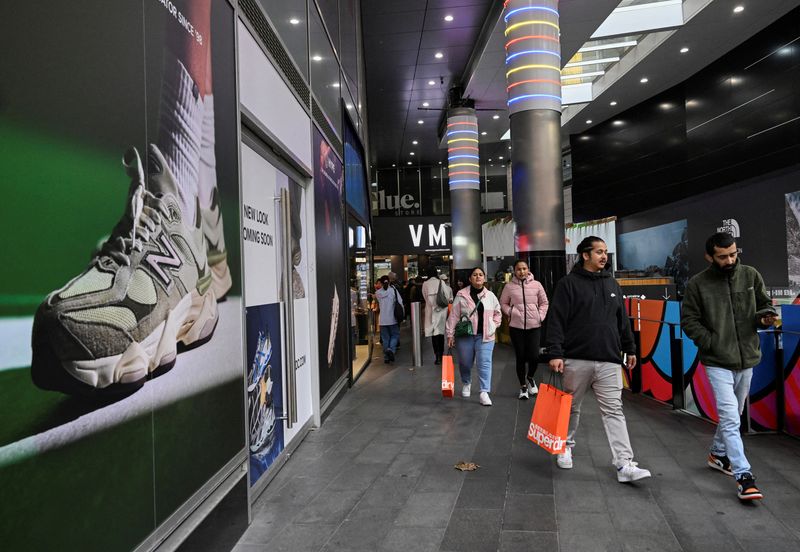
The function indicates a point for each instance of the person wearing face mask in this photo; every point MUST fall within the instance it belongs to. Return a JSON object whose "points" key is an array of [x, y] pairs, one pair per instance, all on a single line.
{"points": [[481, 308], [587, 333], [722, 310], [524, 302]]}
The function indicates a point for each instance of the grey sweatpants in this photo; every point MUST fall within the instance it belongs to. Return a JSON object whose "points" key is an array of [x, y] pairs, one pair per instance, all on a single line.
{"points": [[605, 378]]}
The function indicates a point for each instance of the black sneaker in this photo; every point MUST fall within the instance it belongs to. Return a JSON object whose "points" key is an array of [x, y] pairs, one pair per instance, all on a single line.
{"points": [[720, 463], [391, 356], [746, 488]]}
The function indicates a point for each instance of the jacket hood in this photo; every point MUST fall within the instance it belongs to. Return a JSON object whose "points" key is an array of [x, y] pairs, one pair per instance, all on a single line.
{"points": [[528, 279]]}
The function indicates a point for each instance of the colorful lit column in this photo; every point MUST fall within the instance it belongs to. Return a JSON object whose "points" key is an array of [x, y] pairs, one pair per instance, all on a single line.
{"points": [[464, 180], [533, 78]]}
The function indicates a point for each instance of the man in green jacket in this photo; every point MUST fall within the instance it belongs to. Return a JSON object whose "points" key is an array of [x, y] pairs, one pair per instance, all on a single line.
{"points": [[723, 308]]}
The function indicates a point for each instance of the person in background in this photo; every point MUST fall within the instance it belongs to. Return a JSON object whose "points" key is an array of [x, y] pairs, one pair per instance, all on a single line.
{"points": [[587, 333], [435, 315], [476, 303], [524, 302], [722, 310], [387, 296]]}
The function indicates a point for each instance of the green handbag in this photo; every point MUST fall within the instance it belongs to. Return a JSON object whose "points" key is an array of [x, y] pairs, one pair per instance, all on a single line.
{"points": [[464, 326]]}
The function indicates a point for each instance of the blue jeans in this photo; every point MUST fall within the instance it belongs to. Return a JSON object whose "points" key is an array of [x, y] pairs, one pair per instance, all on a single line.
{"points": [[390, 337], [731, 388], [469, 347]]}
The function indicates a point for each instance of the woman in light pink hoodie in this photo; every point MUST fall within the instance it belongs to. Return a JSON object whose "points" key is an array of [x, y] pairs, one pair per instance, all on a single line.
{"points": [[525, 303]]}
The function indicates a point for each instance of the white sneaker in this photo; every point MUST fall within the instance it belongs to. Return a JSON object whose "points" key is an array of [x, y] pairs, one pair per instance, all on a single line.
{"points": [[484, 399], [532, 389], [465, 390], [564, 459], [523, 394], [631, 472]]}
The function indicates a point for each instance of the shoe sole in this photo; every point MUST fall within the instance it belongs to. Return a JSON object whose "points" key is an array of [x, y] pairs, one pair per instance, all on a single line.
{"points": [[190, 323], [719, 468], [757, 496]]}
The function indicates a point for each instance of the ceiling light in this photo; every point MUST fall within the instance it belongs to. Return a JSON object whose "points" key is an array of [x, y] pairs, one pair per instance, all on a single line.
{"points": [[509, 147], [412, 153], [316, 57], [431, 83], [425, 104], [440, 162], [438, 55], [409, 162], [349, 106], [490, 160], [448, 18], [414, 142], [618, 123], [608, 46], [613, 103], [483, 133], [684, 50], [588, 121], [612, 59], [644, 80], [584, 138], [420, 122], [294, 21], [738, 9], [393, 165], [495, 117]]}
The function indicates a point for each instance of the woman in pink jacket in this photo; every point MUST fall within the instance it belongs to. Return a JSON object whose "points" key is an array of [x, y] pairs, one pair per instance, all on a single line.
{"points": [[481, 307], [525, 303]]}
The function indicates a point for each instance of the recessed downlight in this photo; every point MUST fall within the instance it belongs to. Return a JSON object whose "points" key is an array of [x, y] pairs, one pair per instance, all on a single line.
{"points": [[294, 21], [448, 18], [644, 80], [431, 83], [684, 50], [495, 117], [420, 122], [588, 121], [316, 57], [425, 104], [438, 55], [738, 9], [409, 162], [613, 103], [483, 133], [412, 153], [414, 142]]}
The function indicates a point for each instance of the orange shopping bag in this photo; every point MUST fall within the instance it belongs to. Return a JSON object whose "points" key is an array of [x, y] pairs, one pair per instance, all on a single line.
{"points": [[448, 380], [550, 419]]}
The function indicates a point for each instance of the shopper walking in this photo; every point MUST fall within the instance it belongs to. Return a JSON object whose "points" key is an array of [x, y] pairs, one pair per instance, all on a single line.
{"points": [[387, 297], [587, 332], [476, 304], [722, 310], [435, 314], [524, 302]]}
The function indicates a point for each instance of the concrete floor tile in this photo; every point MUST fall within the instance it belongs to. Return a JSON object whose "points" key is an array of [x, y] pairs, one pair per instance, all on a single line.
{"points": [[427, 510], [487, 493], [473, 530], [526, 541], [529, 513], [413, 539]]}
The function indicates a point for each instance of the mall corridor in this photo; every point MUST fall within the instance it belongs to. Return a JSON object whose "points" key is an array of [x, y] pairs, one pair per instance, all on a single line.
{"points": [[379, 475]]}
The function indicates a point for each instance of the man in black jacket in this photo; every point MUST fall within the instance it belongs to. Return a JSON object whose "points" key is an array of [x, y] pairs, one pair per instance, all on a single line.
{"points": [[587, 333], [723, 308]]}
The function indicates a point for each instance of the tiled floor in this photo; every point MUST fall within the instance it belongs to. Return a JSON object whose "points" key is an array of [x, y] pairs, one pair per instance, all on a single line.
{"points": [[378, 476]]}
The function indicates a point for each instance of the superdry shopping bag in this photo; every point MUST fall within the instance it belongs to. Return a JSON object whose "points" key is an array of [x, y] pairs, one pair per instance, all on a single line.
{"points": [[550, 419], [448, 380]]}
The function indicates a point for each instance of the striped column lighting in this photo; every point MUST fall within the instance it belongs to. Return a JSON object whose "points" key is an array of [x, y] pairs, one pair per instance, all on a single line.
{"points": [[533, 55], [462, 151]]}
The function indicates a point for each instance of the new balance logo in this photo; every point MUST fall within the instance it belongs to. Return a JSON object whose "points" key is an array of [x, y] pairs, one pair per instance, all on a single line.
{"points": [[166, 256]]}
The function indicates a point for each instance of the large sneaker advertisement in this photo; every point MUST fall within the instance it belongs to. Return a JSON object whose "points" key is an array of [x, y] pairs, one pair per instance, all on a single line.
{"points": [[332, 294], [121, 365]]}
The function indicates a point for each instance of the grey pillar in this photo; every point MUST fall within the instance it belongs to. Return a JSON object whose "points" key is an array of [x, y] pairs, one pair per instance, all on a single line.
{"points": [[533, 76], [464, 182]]}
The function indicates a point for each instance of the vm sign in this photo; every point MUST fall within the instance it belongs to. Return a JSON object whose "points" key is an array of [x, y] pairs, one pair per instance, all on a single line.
{"points": [[437, 236]]}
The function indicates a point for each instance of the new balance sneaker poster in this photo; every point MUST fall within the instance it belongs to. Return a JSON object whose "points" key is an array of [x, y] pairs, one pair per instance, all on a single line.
{"points": [[120, 317]]}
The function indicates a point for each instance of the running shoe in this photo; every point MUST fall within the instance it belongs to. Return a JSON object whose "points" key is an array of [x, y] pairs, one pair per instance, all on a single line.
{"points": [[564, 460], [523, 394], [211, 222], [631, 472], [147, 289], [261, 419]]}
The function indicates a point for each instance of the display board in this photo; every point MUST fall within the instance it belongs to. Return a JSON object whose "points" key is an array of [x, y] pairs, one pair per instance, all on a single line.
{"points": [[120, 316]]}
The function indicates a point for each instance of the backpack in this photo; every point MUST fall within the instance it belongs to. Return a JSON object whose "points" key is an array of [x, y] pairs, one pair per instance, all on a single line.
{"points": [[441, 297]]}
